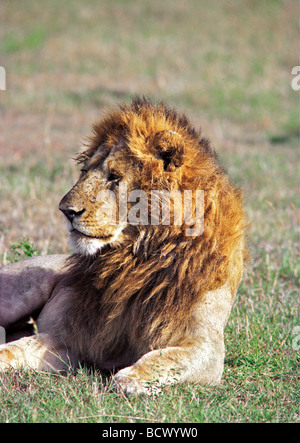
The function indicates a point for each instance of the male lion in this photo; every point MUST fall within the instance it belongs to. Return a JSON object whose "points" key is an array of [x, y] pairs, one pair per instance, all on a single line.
{"points": [[148, 299]]}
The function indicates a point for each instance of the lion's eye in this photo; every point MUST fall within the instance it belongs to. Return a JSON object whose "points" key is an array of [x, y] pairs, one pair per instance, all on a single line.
{"points": [[112, 177]]}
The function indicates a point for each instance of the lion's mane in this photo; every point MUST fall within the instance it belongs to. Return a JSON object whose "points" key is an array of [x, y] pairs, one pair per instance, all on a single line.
{"points": [[142, 295]]}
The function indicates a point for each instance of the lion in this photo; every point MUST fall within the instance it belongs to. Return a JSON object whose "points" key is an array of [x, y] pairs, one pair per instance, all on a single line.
{"points": [[142, 296]]}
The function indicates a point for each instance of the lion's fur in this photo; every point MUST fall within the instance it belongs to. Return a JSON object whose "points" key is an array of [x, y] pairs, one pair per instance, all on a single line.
{"points": [[148, 298], [141, 294]]}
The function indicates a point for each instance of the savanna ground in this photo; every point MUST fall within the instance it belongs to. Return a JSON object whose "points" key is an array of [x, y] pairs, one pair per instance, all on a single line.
{"points": [[228, 66]]}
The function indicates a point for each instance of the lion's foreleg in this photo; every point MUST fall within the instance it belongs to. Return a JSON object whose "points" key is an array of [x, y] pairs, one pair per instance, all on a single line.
{"points": [[202, 364], [35, 352]]}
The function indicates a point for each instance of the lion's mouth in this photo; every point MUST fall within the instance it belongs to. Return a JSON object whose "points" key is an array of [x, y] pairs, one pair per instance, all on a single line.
{"points": [[81, 234]]}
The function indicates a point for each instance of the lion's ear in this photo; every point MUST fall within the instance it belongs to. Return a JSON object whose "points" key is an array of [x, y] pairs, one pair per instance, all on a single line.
{"points": [[168, 147]]}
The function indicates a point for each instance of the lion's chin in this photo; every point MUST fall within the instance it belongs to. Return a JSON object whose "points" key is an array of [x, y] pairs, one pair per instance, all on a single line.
{"points": [[89, 246], [85, 245]]}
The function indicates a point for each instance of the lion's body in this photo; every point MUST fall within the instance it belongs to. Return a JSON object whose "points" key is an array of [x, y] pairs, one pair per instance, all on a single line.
{"points": [[142, 296]]}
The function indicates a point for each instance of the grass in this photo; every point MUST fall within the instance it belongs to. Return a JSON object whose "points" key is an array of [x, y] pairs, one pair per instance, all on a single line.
{"points": [[65, 63], [23, 247], [31, 41]]}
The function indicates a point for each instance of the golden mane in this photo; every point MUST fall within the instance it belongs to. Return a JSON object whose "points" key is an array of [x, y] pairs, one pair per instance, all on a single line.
{"points": [[150, 300], [146, 290]]}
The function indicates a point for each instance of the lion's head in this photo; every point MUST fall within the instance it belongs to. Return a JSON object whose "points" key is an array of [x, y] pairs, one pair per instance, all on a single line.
{"points": [[136, 172]]}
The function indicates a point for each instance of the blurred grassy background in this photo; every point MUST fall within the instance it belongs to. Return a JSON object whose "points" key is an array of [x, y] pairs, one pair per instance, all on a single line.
{"points": [[227, 64], [229, 61]]}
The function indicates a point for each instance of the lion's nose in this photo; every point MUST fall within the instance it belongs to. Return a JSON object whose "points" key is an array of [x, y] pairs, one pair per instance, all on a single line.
{"points": [[71, 213]]}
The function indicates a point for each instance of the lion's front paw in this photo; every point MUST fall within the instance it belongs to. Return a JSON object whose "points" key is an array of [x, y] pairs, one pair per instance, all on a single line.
{"points": [[7, 358], [126, 380]]}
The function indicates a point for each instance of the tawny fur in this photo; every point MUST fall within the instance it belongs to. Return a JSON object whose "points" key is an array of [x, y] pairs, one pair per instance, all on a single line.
{"points": [[143, 297], [129, 292]]}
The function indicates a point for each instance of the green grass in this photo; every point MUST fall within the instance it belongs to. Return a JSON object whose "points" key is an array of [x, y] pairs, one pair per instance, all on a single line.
{"points": [[31, 41], [161, 49], [21, 249], [260, 384], [228, 66]]}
